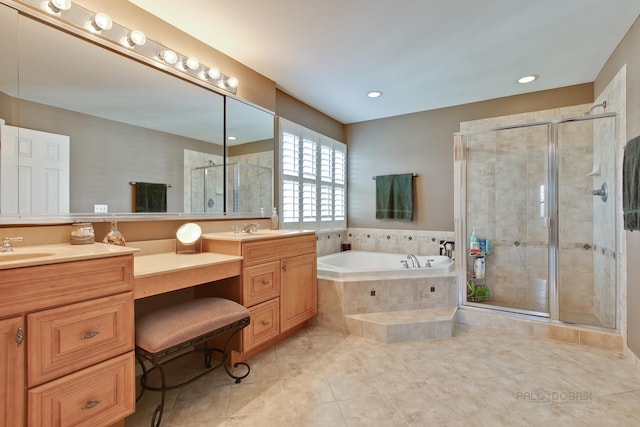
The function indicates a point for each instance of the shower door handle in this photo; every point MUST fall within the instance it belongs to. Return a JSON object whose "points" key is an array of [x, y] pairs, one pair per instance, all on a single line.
{"points": [[547, 222]]}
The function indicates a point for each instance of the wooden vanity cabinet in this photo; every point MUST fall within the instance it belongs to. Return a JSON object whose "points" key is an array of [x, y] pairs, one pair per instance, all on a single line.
{"points": [[12, 372], [278, 285], [67, 343]]}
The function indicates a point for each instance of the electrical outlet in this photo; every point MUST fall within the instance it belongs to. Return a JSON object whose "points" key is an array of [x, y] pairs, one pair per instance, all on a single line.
{"points": [[100, 208]]}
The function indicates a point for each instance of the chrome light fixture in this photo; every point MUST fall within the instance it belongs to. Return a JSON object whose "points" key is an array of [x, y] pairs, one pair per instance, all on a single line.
{"points": [[100, 28]]}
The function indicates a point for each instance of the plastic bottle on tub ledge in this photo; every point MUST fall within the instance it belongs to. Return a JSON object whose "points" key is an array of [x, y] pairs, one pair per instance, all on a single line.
{"points": [[474, 243]]}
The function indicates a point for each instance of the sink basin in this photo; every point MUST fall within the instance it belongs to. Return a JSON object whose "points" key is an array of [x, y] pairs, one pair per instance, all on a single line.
{"points": [[18, 256]]}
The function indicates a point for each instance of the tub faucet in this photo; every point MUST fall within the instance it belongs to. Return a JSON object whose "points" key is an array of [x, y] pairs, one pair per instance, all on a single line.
{"points": [[414, 260], [6, 243]]}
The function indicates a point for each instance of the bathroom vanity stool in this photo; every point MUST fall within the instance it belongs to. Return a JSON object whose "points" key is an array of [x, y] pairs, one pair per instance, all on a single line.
{"points": [[163, 335]]}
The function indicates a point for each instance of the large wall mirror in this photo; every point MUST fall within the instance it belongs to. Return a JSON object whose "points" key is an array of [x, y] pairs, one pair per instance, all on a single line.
{"points": [[115, 125]]}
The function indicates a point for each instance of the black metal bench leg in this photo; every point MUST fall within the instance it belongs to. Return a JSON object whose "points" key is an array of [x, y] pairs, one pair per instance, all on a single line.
{"points": [[157, 413], [225, 355]]}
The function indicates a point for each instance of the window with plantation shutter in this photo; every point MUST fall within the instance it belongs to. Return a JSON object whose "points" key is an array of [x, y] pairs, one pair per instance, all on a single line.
{"points": [[313, 179]]}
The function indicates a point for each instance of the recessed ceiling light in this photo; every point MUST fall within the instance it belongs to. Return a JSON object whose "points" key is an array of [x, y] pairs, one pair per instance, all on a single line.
{"points": [[528, 79], [374, 94], [231, 138]]}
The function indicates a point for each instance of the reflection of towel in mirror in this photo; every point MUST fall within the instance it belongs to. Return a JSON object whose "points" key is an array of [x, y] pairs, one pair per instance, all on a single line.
{"points": [[394, 197], [151, 197], [631, 184]]}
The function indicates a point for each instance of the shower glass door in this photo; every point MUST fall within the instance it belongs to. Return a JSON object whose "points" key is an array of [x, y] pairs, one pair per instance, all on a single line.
{"points": [[506, 201], [586, 276]]}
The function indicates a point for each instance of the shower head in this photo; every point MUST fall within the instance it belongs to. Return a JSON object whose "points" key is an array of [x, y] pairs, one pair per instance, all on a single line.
{"points": [[588, 113]]}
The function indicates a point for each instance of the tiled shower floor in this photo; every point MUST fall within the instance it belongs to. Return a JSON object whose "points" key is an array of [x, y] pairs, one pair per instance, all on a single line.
{"points": [[478, 377]]}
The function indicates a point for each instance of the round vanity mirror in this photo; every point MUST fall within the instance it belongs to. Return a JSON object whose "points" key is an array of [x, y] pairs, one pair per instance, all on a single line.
{"points": [[188, 234]]}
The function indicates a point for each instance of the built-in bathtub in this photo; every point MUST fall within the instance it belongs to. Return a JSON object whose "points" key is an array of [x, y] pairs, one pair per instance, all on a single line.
{"points": [[361, 264], [356, 283]]}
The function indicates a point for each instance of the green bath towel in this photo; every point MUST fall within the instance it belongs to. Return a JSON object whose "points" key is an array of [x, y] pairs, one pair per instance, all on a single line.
{"points": [[394, 197], [631, 184]]}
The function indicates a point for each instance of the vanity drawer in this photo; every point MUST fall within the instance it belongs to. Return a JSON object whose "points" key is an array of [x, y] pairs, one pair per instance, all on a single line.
{"points": [[96, 396], [271, 250], [35, 288], [69, 338], [265, 324], [260, 283]]}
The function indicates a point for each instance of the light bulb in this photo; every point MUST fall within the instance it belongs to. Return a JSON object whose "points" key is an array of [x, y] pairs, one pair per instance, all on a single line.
{"points": [[232, 82], [191, 63], [136, 38], [213, 73], [528, 79], [56, 6], [101, 21], [168, 56]]}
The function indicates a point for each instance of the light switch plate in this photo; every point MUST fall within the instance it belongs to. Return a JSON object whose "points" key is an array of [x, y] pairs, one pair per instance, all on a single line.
{"points": [[100, 208]]}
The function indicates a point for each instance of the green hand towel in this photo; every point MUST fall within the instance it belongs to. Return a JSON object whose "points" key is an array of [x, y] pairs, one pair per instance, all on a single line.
{"points": [[631, 184], [151, 197], [394, 197]]}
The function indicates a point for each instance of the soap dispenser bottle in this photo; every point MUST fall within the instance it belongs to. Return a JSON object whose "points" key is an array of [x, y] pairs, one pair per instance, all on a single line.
{"points": [[474, 243], [275, 223]]}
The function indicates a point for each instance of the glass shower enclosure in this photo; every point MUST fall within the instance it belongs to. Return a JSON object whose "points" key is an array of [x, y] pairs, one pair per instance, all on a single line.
{"points": [[543, 195], [249, 188]]}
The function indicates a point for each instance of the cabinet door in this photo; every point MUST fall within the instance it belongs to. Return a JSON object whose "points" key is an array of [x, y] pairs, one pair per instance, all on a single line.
{"points": [[298, 290], [12, 372]]}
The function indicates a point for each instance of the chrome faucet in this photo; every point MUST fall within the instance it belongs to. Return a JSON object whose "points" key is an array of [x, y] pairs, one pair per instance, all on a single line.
{"points": [[6, 243], [250, 228], [414, 260]]}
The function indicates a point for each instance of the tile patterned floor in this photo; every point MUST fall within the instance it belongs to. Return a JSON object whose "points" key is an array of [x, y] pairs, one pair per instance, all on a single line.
{"points": [[478, 377]]}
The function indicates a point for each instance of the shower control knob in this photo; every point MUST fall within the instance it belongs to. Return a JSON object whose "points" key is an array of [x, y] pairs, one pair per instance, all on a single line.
{"points": [[602, 192]]}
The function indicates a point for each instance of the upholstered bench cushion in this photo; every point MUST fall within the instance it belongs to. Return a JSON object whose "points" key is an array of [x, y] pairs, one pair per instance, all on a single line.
{"points": [[182, 322]]}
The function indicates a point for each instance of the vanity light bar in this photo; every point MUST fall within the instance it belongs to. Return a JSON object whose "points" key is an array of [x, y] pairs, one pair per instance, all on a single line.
{"points": [[100, 24]]}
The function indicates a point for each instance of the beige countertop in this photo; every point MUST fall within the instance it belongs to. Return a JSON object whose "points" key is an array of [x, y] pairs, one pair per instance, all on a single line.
{"points": [[155, 264], [258, 235], [28, 256]]}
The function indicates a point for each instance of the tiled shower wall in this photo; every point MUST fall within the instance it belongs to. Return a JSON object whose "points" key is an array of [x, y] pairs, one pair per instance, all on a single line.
{"points": [[416, 242]]}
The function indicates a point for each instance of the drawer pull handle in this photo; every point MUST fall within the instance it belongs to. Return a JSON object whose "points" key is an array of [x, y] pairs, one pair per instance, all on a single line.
{"points": [[284, 267], [265, 323], [266, 282], [91, 404], [89, 335]]}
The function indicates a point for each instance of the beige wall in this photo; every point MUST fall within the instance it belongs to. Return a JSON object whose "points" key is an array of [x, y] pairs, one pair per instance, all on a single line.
{"points": [[303, 115], [422, 143], [628, 52]]}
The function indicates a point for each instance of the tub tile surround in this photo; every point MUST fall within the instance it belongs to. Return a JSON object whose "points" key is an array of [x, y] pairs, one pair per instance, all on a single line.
{"points": [[417, 242], [479, 377]]}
